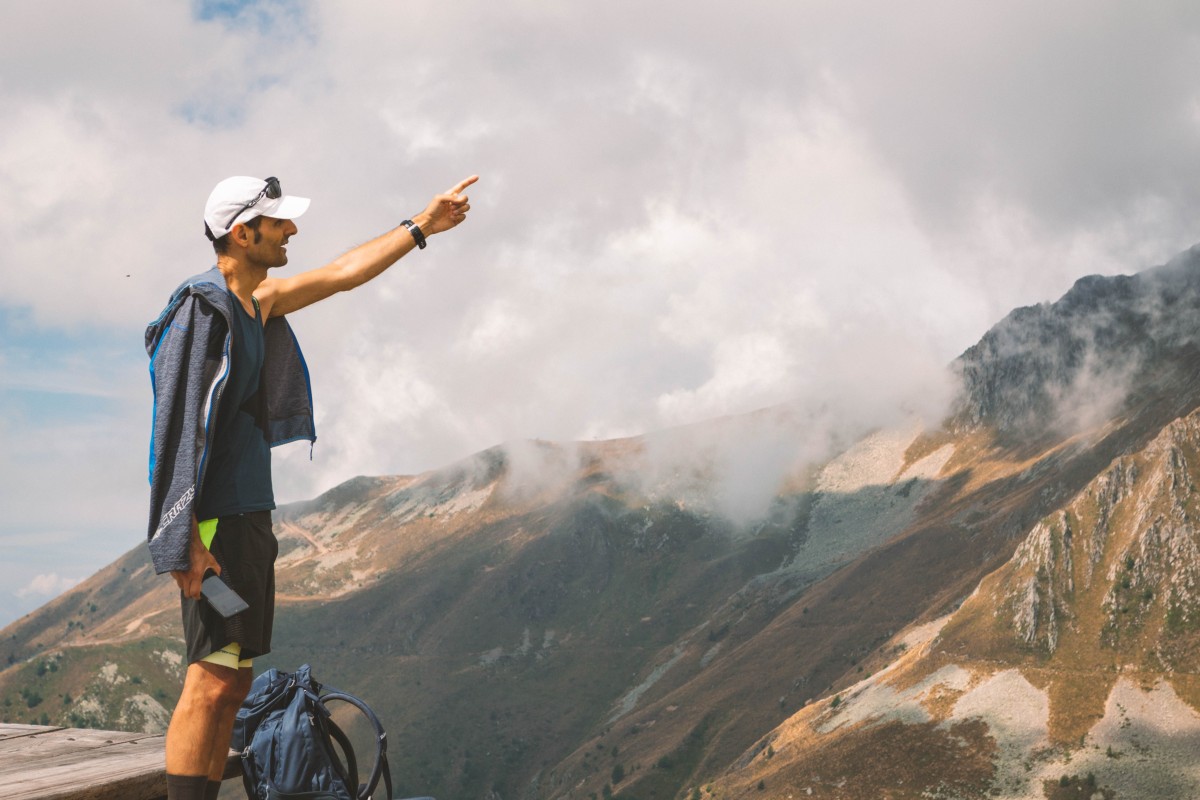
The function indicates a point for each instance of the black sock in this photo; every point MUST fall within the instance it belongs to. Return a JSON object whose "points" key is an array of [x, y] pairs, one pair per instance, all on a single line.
{"points": [[212, 790], [186, 787]]}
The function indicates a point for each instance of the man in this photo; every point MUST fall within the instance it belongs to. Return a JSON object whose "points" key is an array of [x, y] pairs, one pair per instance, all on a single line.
{"points": [[230, 383]]}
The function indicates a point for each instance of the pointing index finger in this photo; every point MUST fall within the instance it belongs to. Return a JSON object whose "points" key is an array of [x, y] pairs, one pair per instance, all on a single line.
{"points": [[458, 187]]}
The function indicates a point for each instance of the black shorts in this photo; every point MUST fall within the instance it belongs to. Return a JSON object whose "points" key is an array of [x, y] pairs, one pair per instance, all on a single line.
{"points": [[245, 547]]}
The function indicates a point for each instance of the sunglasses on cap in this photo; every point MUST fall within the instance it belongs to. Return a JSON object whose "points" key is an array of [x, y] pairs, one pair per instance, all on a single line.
{"points": [[271, 191]]}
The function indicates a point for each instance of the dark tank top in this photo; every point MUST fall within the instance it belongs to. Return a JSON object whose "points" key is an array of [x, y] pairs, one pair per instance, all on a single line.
{"points": [[237, 478]]}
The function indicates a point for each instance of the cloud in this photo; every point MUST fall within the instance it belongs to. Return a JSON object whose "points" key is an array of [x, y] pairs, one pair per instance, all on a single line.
{"points": [[46, 587]]}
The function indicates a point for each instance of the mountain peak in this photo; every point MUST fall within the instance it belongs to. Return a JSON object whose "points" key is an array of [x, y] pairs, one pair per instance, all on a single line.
{"points": [[1066, 365]]}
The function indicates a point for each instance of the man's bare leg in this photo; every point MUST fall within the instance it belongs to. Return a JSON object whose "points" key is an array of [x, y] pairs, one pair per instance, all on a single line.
{"points": [[220, 747], [203, 718]]}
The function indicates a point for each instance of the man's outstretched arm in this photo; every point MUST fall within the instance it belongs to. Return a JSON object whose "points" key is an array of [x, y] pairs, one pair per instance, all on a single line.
{"points": [[279, 296]]}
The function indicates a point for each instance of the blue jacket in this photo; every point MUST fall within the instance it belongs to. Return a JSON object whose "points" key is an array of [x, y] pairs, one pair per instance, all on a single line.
{"points": [[189, 347]]}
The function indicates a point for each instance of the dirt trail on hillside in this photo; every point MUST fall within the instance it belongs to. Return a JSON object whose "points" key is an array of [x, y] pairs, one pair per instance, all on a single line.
{"points": [[295, 530]]}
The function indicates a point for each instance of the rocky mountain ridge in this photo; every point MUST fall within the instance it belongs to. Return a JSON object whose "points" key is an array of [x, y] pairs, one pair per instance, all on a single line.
{"points": [[1079, 361]]}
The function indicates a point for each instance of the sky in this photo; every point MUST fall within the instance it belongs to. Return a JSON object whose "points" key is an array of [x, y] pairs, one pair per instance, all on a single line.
{"points": [[685, 210]]}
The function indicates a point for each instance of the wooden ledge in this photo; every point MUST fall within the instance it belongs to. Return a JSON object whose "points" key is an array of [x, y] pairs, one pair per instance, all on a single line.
{"points": [[48, 763]]}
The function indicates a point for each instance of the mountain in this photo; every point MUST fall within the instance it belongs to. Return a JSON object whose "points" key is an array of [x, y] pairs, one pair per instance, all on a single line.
{"points": [[1003, 605]]}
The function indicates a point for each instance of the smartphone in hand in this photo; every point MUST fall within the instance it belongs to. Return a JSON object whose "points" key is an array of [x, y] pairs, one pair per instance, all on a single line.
{"points": [[224, 600]]}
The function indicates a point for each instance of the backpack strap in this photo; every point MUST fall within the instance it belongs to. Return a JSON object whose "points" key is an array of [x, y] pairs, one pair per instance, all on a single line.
{"points": [[348, 772], [379, 769]]}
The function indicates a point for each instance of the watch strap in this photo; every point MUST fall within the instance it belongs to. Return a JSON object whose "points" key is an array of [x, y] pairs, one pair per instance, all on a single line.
{"points": [[415, 230]]}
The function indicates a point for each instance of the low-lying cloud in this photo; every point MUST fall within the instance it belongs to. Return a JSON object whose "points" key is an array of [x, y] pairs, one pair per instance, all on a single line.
{"points": [[45, 587]]}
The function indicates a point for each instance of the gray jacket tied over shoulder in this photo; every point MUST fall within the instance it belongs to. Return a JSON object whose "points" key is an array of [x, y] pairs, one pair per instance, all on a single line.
{"points": [[189, 347]]}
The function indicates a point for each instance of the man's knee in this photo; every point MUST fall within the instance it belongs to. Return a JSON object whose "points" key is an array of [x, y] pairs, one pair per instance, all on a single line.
{"points": [[216, 687]]}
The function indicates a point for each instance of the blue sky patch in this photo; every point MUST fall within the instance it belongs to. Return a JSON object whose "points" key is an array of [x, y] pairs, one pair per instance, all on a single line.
{"points": [[217, 9], [214, 113], [49, 373], [268, 17]]}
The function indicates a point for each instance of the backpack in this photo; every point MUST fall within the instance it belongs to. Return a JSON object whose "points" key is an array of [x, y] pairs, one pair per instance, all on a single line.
{"points": [[286, 737]]}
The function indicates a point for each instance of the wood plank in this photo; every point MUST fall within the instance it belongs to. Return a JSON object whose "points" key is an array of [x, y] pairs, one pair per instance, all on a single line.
{"points": [[26, 752], [131, 769], [9, 730], [81, 764]]}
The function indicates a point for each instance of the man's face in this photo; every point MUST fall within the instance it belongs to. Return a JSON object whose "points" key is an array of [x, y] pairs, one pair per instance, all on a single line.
{"points": [[268, 244]]}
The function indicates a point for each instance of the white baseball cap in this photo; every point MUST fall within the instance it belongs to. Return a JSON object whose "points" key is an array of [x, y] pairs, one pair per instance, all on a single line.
{"points": [[241, 199]]}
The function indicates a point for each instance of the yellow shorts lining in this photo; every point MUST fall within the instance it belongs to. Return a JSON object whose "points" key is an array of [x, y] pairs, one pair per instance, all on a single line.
{"points": [[229, 656]]}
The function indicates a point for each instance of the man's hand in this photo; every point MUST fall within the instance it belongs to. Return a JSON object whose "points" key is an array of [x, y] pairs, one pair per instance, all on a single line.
{"points": [[445, 210], [201, 561]]}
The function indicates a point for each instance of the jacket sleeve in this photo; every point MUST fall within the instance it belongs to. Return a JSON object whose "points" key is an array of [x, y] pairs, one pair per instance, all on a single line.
{"points": [[188, 363]]}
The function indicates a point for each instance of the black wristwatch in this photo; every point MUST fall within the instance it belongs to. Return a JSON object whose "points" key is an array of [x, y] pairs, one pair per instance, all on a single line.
{"points": [[415, 230]]}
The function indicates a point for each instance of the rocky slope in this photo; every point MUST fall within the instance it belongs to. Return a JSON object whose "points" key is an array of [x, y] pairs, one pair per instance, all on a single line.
{"points": [[1073, 364], [1070, 669], [1076, 658], [1002, 607]]}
